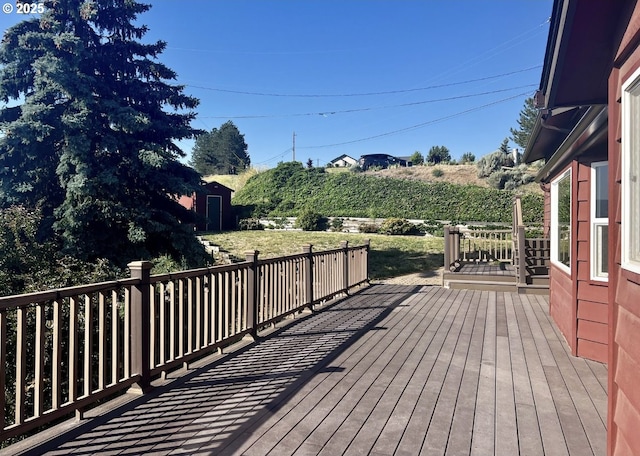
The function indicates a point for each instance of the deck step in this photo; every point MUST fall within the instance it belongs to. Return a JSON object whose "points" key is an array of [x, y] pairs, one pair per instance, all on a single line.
{"points": [[539, 280], [486, 285], [534, 289], [454, 276]]}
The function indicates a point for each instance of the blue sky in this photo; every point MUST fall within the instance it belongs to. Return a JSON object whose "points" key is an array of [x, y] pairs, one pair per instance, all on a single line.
{"points": [[354, 76]]}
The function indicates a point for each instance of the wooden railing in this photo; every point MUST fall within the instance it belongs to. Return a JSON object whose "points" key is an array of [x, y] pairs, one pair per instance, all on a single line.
{"points": [[465, 245], [519, 242], [64, 350]]}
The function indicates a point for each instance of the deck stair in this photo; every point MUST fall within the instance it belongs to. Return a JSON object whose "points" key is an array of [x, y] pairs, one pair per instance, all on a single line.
{"points": [[500, 260]]}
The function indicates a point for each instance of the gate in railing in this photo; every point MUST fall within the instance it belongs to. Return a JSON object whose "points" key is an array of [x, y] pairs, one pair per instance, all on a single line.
{"points": [[63, 350]]}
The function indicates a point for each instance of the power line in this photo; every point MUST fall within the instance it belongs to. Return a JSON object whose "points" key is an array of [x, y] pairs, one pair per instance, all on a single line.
{"points": [[363, 94], [346, 111], [413, 127], [273, 158]]}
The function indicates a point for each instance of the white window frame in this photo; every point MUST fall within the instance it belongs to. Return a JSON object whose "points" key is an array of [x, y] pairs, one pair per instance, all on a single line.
{"points": [[630, 228], [597, 222], [555, 241]]}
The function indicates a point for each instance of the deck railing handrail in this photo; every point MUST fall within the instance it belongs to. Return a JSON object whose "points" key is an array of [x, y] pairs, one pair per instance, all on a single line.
{"points": [[68, 348], [476, 245]]}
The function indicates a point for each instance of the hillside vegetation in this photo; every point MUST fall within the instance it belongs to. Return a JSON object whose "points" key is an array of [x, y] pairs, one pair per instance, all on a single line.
{"points": [[290, 188]]}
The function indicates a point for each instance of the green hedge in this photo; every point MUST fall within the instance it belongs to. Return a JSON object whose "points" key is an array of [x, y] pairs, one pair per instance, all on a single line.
{"points": [[289, 188]]}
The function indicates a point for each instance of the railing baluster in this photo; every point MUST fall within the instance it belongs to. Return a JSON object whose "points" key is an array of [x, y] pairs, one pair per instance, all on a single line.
{"points": [[127, 332], [88, 346], [3, 363], [181, 318], [115, 337], [198, 304], [172, 320], [206, 305], [21, 361], [39, 361], [190, 312], [162, 334], [102, 341]]}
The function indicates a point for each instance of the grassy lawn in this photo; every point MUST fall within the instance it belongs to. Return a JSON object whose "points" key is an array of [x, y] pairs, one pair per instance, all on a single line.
{"points": [[391, 256]]}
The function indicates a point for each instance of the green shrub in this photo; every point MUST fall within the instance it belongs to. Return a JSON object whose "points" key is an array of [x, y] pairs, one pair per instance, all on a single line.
{"points": [[510, 179], [437, 172], [337, 224], [467, 157], [493, 162], [432, 227], [368, 228], [250, 224], [397, 226], [310, 220]]}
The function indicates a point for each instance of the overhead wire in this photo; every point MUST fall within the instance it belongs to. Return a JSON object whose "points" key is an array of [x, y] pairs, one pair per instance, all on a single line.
{"points": [[371, 108], [422, 124], [363, 94]]}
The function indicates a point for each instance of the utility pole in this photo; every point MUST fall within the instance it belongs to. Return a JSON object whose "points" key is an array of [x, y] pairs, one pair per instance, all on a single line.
{"points": [[294, 146]]}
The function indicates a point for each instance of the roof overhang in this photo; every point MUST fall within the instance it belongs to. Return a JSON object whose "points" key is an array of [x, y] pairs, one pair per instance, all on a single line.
{"points": [[578, 61], [590, 131]]}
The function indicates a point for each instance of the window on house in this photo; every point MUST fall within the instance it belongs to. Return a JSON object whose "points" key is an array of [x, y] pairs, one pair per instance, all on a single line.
{"points": [[561, 221], [631, 173], [599, 220]]}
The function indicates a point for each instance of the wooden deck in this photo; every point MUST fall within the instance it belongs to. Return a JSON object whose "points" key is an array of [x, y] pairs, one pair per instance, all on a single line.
{"points": [[393, 370]]}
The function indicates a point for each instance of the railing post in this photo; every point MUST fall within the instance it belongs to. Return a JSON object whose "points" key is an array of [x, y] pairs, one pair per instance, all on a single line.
{"points": [[367, 245], [252, 292], [447, 247], [344, 245], [522, 260], [308, 278], [140, 330]]}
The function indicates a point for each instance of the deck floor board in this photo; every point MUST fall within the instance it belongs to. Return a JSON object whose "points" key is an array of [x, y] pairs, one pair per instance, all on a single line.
{"points": [[392, 370]]}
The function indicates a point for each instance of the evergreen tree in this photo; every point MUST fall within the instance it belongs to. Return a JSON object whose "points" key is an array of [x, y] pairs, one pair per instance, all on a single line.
{"points": [[417, 158], [221, 151], [527, 120], [90, 136], [504, 147], [438, 154]]}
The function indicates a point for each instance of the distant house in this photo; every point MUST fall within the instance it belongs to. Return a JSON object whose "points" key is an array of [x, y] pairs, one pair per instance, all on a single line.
{"points": [[380, 161], [212, 205], [343, 161], [587, 134]]}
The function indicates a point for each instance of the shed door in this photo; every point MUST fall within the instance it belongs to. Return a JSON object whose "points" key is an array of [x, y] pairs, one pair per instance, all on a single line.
{"points": [[214, 213]]}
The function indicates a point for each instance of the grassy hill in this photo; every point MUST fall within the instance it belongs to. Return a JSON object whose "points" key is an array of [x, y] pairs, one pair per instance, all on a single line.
{"points": [[290, 188]]}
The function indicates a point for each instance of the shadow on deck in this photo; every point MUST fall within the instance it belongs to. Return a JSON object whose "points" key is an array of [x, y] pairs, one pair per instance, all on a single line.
{"points": [[392, 370]]}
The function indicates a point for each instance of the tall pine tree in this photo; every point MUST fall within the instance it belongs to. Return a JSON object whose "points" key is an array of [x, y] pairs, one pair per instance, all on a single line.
{"points": [[526, 122], [88, 131], [221, 151]]}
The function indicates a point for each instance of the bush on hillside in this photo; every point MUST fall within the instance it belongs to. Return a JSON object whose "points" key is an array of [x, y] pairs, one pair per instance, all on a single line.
{"points": [[250, 224], [397, 226], [493, 162], [337, 224], [510, 179], [368, 228], [310, 220]]}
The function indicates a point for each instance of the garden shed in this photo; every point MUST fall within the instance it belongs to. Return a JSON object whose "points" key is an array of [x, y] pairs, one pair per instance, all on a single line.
{"points": [[212, 205]]}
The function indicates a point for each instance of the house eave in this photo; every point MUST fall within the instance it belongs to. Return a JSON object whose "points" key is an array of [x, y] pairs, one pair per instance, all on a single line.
{"points": [[590, 130]]}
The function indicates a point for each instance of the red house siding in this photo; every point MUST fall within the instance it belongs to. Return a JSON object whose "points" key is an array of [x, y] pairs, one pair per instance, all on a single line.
{"points": [[624, 289], [592, 328], [578, 304], [561, 304]]}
